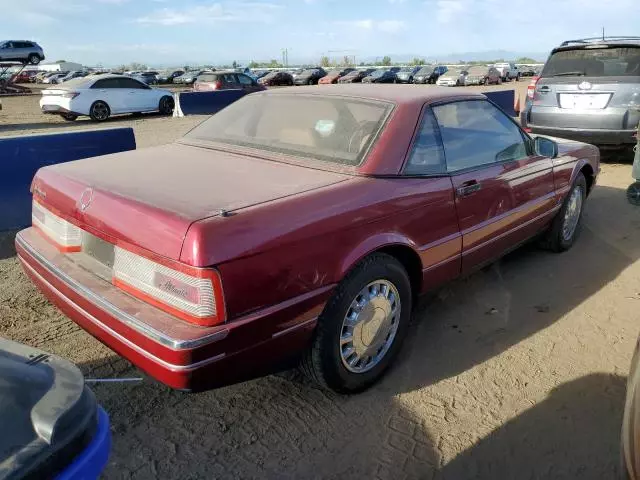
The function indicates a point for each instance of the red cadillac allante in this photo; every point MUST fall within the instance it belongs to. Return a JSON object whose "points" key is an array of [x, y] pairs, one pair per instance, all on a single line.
{"points": [[295, 224]]}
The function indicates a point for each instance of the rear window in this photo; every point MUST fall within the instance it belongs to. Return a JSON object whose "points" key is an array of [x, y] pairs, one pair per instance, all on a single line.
{"points": [[594, 62], [334, 129], [207, 78]]}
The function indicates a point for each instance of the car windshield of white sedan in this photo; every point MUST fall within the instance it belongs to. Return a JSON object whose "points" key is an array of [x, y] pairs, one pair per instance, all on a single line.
{"points": [[334, 129]]}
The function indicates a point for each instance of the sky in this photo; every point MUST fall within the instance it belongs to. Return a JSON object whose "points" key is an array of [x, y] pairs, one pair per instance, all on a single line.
{"points": [[174, 32]]}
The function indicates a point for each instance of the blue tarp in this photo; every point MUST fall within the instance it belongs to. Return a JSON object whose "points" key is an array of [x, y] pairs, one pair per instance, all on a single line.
{"points": [[205, 103], [21, 157], [504, 99]]}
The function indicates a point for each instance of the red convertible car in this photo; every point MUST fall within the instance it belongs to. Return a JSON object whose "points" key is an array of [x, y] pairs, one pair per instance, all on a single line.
{"points": [[295, 225]]}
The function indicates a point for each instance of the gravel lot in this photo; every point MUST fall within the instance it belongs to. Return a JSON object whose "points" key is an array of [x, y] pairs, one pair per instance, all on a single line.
{"points": [[516, 372]]}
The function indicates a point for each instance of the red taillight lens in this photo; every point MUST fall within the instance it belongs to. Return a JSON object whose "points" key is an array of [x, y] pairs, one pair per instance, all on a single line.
{"points": [[216, 85], [531, 89], [70, 94]]}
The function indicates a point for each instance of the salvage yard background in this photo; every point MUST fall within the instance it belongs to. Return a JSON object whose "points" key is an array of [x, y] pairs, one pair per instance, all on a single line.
{"points": [[515, 372]]}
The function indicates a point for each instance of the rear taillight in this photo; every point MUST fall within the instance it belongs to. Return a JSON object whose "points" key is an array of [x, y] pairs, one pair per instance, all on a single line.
{"points": [[195, 296], [70, 94], [531, 89], [189, 293], [216, 85], [64, 235]]}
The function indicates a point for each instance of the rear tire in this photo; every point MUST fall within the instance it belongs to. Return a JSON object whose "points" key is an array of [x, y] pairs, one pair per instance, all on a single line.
{"points": [[166, 105], [567, 223], [99, 111], [350, 366], [69, 117], [34, 59]]}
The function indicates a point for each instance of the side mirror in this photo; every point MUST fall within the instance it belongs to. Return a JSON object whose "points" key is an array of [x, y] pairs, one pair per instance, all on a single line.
{"points": [[545, 147]]}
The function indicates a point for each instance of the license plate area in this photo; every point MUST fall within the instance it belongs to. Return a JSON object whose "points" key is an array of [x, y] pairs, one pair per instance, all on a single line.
{"points": [[584, 101], [103, 252]]}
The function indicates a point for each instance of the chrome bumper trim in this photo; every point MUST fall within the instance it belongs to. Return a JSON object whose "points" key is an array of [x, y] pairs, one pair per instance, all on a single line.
{"points": [[111, 309], [113, 333]]}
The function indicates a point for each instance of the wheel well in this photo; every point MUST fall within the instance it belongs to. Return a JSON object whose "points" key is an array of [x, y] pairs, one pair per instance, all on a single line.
{"points": [[587, 171], [410, 261]]}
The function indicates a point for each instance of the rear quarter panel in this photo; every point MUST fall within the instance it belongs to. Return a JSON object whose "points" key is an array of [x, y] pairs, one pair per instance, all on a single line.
{"points": [[573, 157], [284, 249]]}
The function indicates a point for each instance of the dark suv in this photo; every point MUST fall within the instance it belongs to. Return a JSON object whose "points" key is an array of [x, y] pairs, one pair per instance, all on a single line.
{"points": [[589, 91], [429, 74], [309, 77], [21, 51]]}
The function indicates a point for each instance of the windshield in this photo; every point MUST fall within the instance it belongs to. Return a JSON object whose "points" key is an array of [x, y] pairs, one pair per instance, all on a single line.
{"points": [[452, 73], [333, 129], [594, 62], [425, 71], [309, 72], [378, 73]]}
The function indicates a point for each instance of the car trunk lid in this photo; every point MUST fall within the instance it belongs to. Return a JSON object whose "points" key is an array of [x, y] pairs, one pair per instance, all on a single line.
{"points": [[150, 197]]}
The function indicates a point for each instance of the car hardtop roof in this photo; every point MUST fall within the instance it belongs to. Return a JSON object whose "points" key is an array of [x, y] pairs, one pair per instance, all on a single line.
{"points": [[399, 94], [592, 42]]}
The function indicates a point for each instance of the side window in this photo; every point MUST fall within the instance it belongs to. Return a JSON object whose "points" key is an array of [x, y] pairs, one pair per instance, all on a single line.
{"points": [[130, 83], [229, 78], [244, 80], [105, 83], [475, 132], [427, 154]]}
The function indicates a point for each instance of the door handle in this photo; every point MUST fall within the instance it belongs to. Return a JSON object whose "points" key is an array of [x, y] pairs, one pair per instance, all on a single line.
{"points": [[467, 188]]}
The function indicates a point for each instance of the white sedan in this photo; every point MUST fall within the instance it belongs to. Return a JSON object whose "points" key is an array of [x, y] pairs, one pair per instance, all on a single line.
{"points": [[101, 96]]}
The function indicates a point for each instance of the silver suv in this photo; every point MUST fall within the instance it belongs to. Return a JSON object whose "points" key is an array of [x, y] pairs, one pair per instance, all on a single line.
{"points": [[22, 51], [589, 90]]}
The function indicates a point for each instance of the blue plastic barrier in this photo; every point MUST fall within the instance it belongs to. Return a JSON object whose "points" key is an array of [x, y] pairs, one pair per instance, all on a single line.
{"points": [[204, 103], [90, 463], [21, 157], [504, 99]]}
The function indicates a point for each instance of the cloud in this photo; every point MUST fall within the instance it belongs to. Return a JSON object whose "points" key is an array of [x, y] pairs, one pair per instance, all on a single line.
{"points": [[387, 26], [113, 2], [447, 10], [213, 13]]}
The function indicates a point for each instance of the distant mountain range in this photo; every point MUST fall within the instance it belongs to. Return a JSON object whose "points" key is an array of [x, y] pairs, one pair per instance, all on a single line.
{"points": [[464, 56]]}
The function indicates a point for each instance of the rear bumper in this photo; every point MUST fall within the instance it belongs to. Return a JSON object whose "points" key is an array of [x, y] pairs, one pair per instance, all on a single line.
{"points": [[54, 109], [178, 354], [592, 136]]}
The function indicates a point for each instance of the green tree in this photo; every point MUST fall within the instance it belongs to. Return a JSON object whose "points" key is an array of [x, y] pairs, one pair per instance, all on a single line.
{"points": [[418, 61], [526, 60], [386, 60], [324, 61]]}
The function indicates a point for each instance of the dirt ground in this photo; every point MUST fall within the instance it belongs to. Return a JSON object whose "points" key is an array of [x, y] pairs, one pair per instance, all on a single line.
{"points": [[516, 372]]}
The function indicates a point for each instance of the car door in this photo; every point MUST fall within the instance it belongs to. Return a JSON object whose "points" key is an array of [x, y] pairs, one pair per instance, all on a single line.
{"points": [[7, 52], [136, 96], [436, 233], [250, 86], [108, 90], [504, 192]]}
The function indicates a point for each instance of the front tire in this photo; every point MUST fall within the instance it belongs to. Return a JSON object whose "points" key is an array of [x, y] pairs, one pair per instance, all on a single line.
{"points": [[567, 223], [99, 111], [633, 194], [166, 105], [362, 327]]}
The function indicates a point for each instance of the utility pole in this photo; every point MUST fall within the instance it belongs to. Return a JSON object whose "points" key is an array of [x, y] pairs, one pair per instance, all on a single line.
{"points": [[602, 33], [285, 57]]}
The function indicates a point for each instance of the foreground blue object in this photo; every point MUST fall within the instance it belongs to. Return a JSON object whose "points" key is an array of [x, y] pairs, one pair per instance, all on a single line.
{"points": [[21, 157], [504, 99], [204, 103], [90, 463]]}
